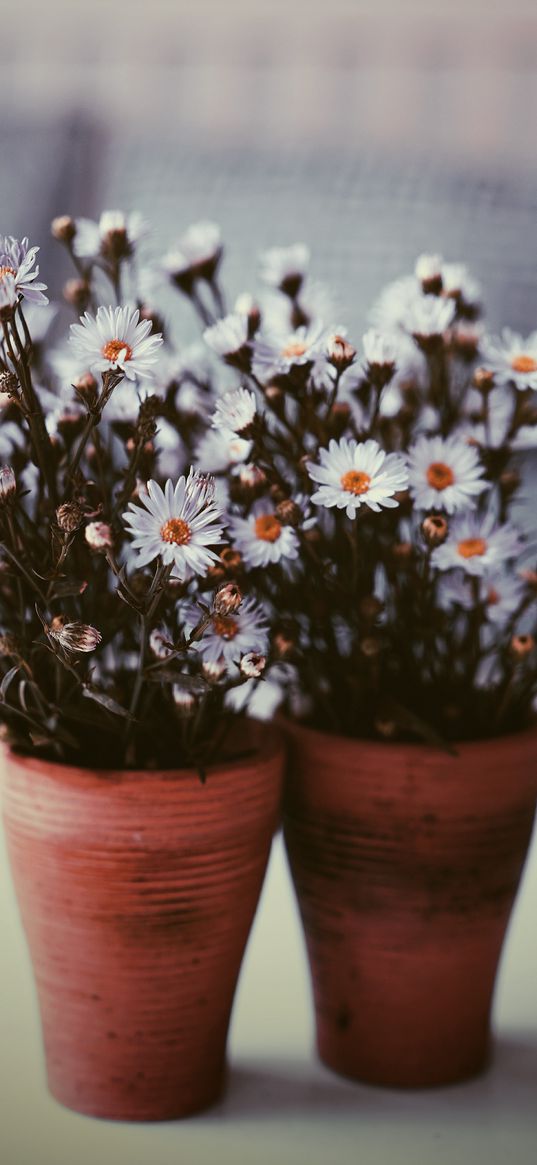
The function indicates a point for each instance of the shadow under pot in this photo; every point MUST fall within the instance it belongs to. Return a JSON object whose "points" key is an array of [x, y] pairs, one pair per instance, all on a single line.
{"points": [[406, 862], [137, 891]]}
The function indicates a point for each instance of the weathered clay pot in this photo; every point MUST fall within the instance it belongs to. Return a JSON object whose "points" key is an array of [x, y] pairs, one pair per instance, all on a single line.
{"points": [[406, 863], [137, 891]]}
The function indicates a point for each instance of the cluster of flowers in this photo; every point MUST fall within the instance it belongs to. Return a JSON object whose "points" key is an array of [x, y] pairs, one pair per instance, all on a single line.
{"points": [[345, 533]]}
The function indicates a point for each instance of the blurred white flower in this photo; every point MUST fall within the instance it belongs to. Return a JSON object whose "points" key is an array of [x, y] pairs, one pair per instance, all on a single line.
{"points": [[477, 545], [445, 474], [512, 358]]}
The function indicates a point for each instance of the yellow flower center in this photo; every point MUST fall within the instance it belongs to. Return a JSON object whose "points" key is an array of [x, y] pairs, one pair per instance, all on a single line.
{"points": [[355, 482], [7, 271], [439, 475], [225, 626], [523, 363], [177, 531], [295, 348], [472, 547], [267, 528], [112, 348]]}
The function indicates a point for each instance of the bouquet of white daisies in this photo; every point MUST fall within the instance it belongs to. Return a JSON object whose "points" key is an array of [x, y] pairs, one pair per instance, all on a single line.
{"points": [[276, 502]]}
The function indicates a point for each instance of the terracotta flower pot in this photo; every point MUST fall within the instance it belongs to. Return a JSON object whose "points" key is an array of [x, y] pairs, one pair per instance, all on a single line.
{"points": [[406, 863], [137, 892]]}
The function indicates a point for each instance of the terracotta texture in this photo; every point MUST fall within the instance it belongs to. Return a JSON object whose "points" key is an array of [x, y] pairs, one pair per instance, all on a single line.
{"points": [[406, 863], [137, 891]]}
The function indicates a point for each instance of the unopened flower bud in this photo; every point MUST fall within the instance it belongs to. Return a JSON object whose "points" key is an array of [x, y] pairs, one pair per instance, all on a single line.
{"points": [[275, 397], [509, 482], [370, 647], [521, 646], [231, 559], [213, 670], [252, 665], [434, 529], [75, 636], [530, 578], [86, 388], [403, 552], [8, 646], [370, 608], [483, 380], [77, 293], [385, 727], [339, 418], [284, 643], [428, 270], [289, 513], [184, 700], [69, 517], [339, 352], [63, 228], [8, 485], [227, 599], [99, 536]]}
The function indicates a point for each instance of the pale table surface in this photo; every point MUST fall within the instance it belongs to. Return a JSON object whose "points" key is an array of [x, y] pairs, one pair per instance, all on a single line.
{"points": [[281, 1107]]}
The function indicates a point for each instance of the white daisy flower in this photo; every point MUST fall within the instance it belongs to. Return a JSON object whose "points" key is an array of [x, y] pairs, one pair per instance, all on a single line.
{"points": [[285, 267], [459, 284], [428, 269], [115, 339], [218, 449], [492, 432], [353, 474], [429, 316], [179, 524], [196, 254], [275, 354], [380, 348], [228, 637], [477, 545], [500, 594], [512, 359], [235, 411], [115, 235], [445, 474], [229, 339], [17, 260], [390, 310], [261, 538]]}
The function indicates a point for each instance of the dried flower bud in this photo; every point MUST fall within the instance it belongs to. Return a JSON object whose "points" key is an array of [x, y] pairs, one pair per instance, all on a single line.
{"points": [[74, 636], [434, 529], [370, 647], [483, 380], [339, 418], [289, 513], [521, 646], [99, 536], [9, 383], [69, 517], [63, 228], [252, 665], [77, 293], [339, 352], [87, 389], [275, 397], [227, 599], [8, 485], [215, 574]]}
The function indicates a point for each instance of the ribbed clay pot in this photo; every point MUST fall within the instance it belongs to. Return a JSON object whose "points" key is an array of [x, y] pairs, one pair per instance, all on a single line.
{"points": [[137, 892], [406, 863]]}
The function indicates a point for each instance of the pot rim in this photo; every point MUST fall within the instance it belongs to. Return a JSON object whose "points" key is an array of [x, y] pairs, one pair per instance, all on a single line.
{"points": [[416, 747], [267, 743]]}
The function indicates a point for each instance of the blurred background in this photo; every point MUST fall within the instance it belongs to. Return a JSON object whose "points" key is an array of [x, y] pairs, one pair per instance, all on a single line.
{"points": [[371, 130]]}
